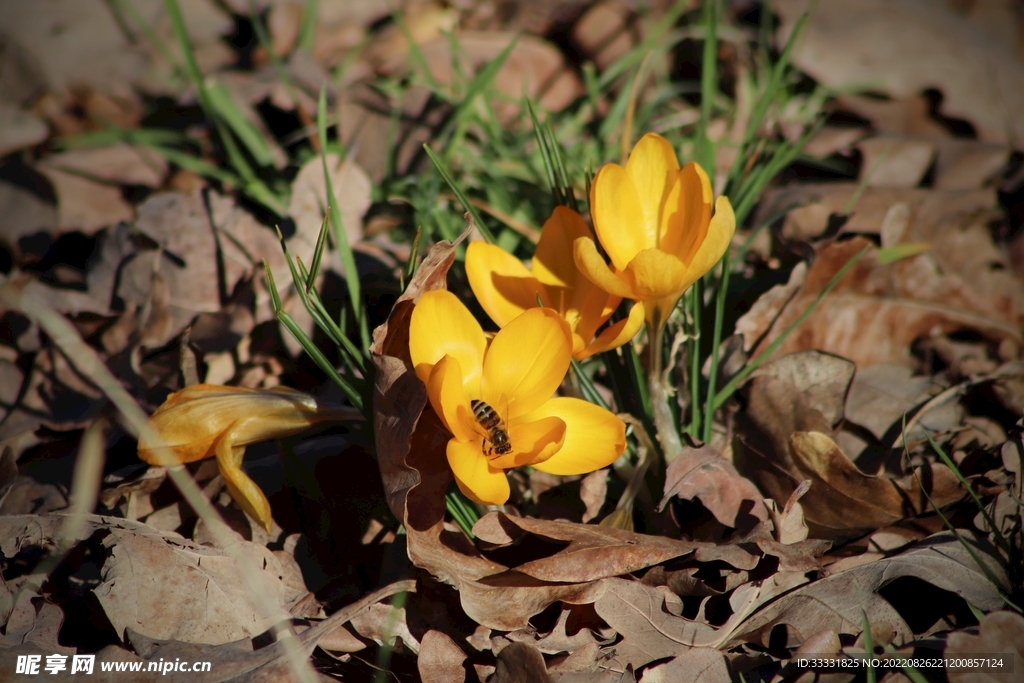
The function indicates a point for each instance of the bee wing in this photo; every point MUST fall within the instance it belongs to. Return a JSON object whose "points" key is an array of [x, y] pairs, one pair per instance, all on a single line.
{"points": [[502, 409]]}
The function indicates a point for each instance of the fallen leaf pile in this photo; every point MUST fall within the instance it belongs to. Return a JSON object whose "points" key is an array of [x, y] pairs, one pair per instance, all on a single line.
{"points": [[862, 488]]}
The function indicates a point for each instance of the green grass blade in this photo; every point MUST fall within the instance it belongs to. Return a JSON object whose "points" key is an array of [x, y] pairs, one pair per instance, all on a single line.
{"points": [[716, 341], [246, 131], [268, 45], [462, 511], [307, 344], [587, 386], [318, 255], [545, 153], [126, 9], [869, 645], [416, 57], [695, 301], [704, 151], [307, 31], [251, 184], [1001, 541], [348, 260], [483, 79], [457, 191], [985, 569], [414, 250], [314, 306], [727, 391], [757, 116]]}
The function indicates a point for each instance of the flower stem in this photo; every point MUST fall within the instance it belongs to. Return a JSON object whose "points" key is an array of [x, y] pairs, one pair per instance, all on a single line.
{"points": [[661, 393], [696, 300]]}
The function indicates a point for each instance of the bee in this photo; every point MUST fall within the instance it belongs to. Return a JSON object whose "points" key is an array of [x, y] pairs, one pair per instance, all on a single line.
{"points": [[497, 442]]}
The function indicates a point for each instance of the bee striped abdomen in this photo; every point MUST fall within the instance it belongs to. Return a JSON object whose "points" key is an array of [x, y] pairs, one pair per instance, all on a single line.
{"points": [[489, 419]]}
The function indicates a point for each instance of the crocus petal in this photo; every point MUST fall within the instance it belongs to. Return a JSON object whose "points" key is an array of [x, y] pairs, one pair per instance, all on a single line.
{"points": [[243, 490], [653, 168], [597, 271], [653, 274], [442, 325], [717, 241], [526, 362], [448, 397], [594, 437], [618, 334], [475, 476], [594, 306], [532, 442], [501, 283], [619, 216], [190, 422], [687, 212], [552, 260]]}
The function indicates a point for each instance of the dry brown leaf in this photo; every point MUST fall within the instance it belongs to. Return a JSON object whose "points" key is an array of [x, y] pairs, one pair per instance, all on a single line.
{"points": [[399, 397], [185, 264], [244, 245], [422, 22], [893, 161], [902, 47], [831, 139], [836, 601], [240, 661], [558, 640], [74, 43], [19, 128], [309, 201], [699, 664], [85, 205], [910, 117], [520, 663], [853, 502], [648, 617], [440, 659], [603, 31], [703, 473], [998, 633], [534, 69], [24, 214], [593, 552], [31, 620], [341, 640], [878, 310], [815, 202], [490, 593], [786, 436], [118, 163], [789, 522], [967, 164], [593, 491], [53, 395], [383, 624], [882, 394], [284, 21], [168, 588]]}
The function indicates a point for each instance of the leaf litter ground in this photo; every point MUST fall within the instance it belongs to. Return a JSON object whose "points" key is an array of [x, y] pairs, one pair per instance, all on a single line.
{"points": [[806, 526]]}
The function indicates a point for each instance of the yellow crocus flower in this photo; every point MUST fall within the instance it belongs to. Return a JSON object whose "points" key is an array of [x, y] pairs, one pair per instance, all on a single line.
{"points": [[654, 221], [505, 287], [496, 398], [206, 420]]}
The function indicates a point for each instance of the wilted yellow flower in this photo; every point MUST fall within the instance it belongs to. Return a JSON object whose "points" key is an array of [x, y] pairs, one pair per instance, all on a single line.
{"points": [[654, 221], [206, 420], [505, 288], [496, 399]]}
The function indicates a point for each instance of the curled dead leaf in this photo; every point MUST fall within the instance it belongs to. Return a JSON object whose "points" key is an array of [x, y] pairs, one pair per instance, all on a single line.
{"points": [[703, 473]]}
